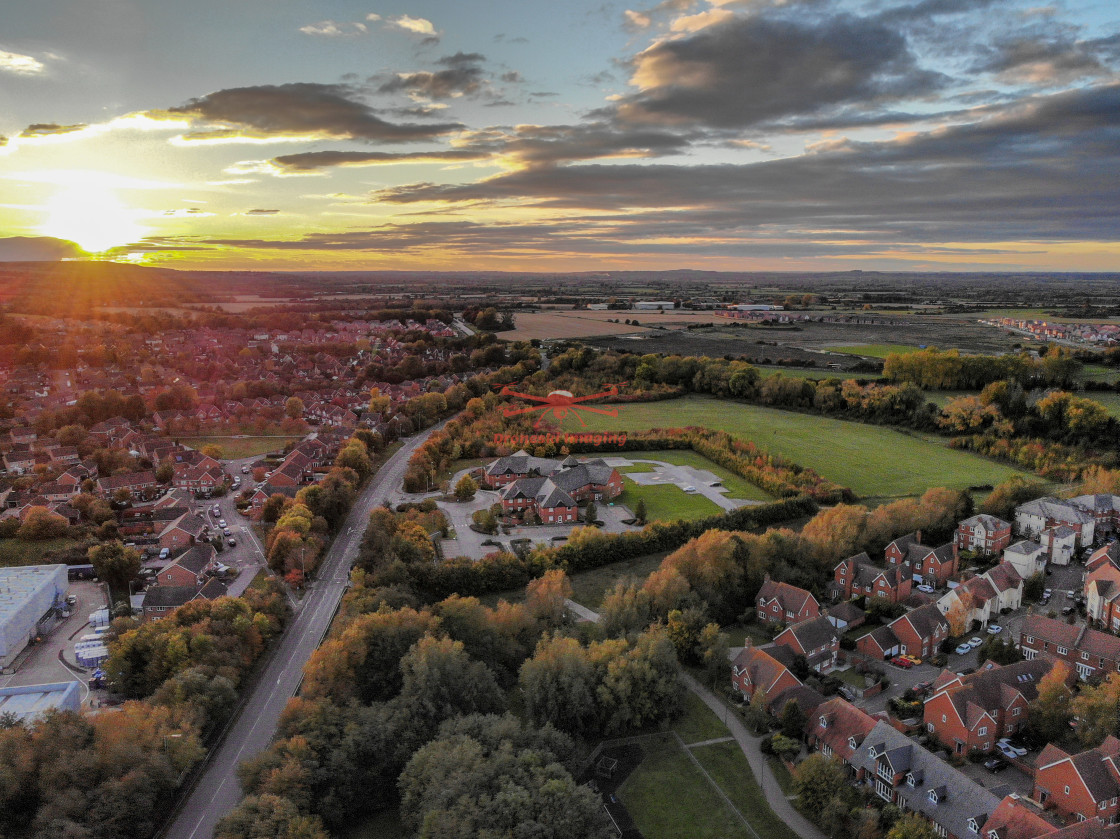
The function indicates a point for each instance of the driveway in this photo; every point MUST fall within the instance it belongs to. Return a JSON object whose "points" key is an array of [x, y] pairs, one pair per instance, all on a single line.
{"points": [[700, 480]]}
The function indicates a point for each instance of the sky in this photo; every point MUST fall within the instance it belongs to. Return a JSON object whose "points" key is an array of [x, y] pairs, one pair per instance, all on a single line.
{"points": [[518, 135]]}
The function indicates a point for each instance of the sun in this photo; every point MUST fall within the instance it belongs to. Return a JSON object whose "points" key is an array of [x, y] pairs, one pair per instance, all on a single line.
{"points": [[91, 215]]}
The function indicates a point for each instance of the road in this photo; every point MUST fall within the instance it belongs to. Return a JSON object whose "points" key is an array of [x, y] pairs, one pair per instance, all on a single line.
{"points": [[217, 791]]}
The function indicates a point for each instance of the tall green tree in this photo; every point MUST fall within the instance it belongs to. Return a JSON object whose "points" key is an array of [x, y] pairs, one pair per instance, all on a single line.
{"points": [[116, 565]]}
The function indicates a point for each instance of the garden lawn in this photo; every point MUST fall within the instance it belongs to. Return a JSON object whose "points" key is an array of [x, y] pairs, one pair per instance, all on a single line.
{"points": [[235, 448], [589, 587], [736, 487], [872, 460], [873, 350], [669, 798], [728, 767], [16, 552], [698, 723], [666, 502]]}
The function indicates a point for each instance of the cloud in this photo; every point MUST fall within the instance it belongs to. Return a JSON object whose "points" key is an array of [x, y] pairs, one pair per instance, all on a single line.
{"points": [[636, 21], [1044, 60], [20, 65], [261, 212], [38, 249], [187, 212], [317, 160], [550, 145], [334, 29], [47, 129], [1043, 170], [747, 71], [415, 25], [295, 110], [462, 76]]}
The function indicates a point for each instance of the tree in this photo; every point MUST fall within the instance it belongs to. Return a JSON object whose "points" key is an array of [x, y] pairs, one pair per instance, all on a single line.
{"points": [[214, 451], [1034, 587], [640, 514], [465, 489], [817, 780], [40, 524], [999, 651], [957, 618], [116, 565], [591, 514], [439, 681], [1097, 709], [1050, 712], [836, 532], [269, 817], [793, 721], [166, 472], [785, 747], [912, 826], [293, 407]]}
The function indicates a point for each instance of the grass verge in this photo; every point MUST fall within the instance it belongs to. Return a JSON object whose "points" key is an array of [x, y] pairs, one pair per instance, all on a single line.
{"points": [[235, 448], [17, 552], [698, 723], [728, 766]]}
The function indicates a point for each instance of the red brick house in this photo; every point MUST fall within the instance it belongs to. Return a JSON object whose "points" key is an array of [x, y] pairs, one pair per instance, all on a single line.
{"points": [[183, 532], [189, 569], [974, 711], [879, 644], [921, 631], [1081, 786], [857, 576], [783, 603], [1102, 586], [933, 566], [897, 552], [1088, 651], [754, 669], [1021, 818], [159, 600], [542, 497], [142, 485], [816, 639], [839, 729], [983, 534]]}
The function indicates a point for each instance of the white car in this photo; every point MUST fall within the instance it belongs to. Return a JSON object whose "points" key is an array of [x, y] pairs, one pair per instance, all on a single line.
{"points": [[994, 629], [964, 649], [1047, 593], [221, 522], [690, 489], [975, 642], [1004, 744], [1007, 751], [926, 589]]}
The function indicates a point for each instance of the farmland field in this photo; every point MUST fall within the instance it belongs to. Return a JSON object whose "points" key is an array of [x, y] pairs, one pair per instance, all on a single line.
{"points": [[871, 460], [581, 323], [873, 350]]}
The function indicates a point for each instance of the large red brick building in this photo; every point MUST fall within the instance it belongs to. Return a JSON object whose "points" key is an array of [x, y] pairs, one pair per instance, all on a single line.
{"points": [[782, 603]]}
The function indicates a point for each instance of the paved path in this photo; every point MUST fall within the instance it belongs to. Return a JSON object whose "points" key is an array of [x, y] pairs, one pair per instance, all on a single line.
{"points": [[749, 743], [217, 790]]}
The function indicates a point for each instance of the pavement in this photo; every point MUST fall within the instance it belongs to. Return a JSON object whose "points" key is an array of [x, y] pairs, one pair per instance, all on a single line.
{"points": [[217, 790], [701, 481]]}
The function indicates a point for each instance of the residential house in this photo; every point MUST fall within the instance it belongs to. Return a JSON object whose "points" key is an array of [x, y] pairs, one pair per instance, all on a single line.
{"points": [[903, 773], [839, 729], [554, 493], [858, 576], [879, 644], [755, 669], [1035, 516], [898, 551], [816, 639], [190, 568], [974, 711], [845, 616], [1102, 586], [1027, 557], [141, 485], [933, 566], [1105, 510], [1060, 543], [782, 603], [920, 631], [981, 598], [1081, 786], [541, 497], [1022, 818], [185, 531], [983, 534], [1088, 651], [159, 600]]}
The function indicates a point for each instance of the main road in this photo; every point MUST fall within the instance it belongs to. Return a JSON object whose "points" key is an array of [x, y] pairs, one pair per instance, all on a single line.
{"points": [[217, 790]]}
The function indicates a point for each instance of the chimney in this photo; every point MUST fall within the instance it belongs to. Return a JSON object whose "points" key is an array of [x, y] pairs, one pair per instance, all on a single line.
{"points": [[918, 536]]}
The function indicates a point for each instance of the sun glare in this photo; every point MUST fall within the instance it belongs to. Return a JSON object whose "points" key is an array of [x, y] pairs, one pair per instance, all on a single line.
{"points": [[92, 216]]}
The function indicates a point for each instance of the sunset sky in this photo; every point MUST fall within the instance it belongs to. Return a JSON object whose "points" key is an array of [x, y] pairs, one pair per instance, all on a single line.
{"points": [[523, 135]]}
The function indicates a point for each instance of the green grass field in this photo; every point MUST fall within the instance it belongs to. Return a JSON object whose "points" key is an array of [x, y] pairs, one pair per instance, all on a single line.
{"points": [[1099, 373], [667, 502], [1109, 400], [873, 350], [728, 767], [235, 448], [813, 373], [736, 487], [589, 587], [698, 723], [16, 552], [669, 798], [871, 460]]}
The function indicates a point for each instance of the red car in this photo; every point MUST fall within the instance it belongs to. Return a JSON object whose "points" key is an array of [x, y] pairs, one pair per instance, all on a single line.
{"points": [[903, 662]]}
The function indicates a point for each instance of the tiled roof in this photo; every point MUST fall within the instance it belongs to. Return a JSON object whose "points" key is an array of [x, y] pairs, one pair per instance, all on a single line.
{"points": [[790, 598]]}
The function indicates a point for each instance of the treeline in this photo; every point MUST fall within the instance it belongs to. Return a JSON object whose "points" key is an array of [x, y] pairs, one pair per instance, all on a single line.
{"points": [[407, 705], [586, 548], [934, 369], [114, 775]]}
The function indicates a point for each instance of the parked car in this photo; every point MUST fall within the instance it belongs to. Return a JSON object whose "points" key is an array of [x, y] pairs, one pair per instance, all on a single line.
{"points": [[994, 629], [922, 688], [226, 532], [245, 469], [975, 642], [913, 659], [690, 489], [221, 522], [1004, 744], [1067, 610], [1006, 750], [165, 553], [995, 764], [232, 542], [1047, 592], [902, 661], [963, 649], [216, 511], [926, 589]]}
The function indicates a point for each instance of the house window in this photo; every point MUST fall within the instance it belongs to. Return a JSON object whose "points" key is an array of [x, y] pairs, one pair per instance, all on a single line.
{"points": [[1030, 639], [885, 772], [932, 796], [1084, 656], [930, 726], [883, 790], [944, 718], [1063, 650], [851, 742], [1015, 711], [973, 825], [1067, 789]]}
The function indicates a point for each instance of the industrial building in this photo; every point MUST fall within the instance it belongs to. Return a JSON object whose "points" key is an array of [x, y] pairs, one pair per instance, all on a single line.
{"points": [[29, 701], [31, 602]]}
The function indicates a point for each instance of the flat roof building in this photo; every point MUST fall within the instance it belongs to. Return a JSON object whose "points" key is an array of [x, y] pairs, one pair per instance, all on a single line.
{"points": [[29, 701], [27, 597]]}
